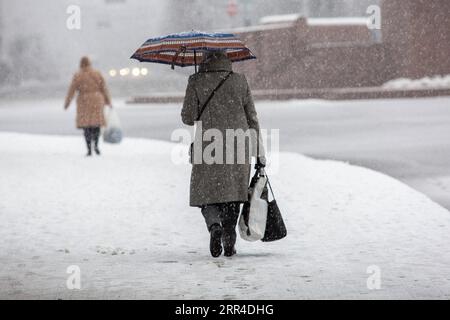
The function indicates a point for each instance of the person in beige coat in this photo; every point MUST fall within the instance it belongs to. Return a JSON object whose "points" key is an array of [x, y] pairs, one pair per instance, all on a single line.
{"points": [[220, 187], [92, 97]]}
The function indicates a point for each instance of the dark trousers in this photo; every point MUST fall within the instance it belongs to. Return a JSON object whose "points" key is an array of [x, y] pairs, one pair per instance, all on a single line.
{"points": [[91, 134], [224, 214]]}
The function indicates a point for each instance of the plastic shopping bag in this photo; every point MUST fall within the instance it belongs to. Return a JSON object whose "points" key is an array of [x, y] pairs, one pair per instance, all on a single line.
{"points": [[113, 130], [253, 219]]}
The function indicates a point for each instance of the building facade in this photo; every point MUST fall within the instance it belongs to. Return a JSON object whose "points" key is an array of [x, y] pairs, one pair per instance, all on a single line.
{"points": [[297, 52]]}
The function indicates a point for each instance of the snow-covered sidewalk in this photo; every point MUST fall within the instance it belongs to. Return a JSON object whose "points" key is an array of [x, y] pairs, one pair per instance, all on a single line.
{"points": [[124, 219]]}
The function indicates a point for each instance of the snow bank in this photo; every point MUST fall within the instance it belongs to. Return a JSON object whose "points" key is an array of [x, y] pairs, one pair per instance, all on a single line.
{"points": [[338, 21], [329, 21], [423, 83], [123, 219], [280, 18]]}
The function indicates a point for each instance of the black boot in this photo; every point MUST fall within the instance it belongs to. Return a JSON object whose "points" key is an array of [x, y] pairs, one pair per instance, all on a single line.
{"points": [[95, 136], [88, 138], [215, 243], [229, 240], [229, 221]]}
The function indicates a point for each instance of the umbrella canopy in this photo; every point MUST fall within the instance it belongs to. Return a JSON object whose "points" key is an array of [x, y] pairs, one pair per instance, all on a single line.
{"points": [[187, 48]]}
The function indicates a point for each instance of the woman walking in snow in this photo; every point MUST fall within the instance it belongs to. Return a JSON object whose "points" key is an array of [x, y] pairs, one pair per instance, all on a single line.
{"points": [[92, 97], [220, 188]]}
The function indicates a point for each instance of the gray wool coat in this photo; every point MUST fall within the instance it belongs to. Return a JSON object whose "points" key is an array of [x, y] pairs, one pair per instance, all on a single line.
{"points": [[232, 107]]}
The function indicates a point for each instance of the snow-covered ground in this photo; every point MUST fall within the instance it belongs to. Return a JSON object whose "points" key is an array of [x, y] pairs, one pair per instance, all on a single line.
{"points": [[123, 219], [403, 138], [435, 82]]}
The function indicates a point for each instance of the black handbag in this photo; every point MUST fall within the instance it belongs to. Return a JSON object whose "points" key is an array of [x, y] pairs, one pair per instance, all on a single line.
{"points": [[275, 227]]}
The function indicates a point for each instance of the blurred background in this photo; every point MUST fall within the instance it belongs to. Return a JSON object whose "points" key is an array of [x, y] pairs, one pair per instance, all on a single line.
{"points": [[39, 54]]}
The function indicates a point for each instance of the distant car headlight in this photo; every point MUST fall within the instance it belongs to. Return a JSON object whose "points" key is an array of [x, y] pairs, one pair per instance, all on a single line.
{"points": [[136, 72], [124, 72]]}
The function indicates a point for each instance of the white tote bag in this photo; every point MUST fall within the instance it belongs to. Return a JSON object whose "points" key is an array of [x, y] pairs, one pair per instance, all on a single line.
{"points": [[255, 227], [113, 130]]}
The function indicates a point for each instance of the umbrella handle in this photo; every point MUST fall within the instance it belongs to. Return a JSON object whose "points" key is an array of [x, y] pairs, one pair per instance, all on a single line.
{"points": [[195, 60], [175, 57]]}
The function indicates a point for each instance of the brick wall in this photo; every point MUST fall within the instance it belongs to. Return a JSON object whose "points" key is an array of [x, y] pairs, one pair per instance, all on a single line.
{"points": [[417, 32], [299, 55], [415, 43]]}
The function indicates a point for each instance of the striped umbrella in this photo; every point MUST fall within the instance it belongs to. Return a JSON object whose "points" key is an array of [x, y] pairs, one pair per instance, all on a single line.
{"points": [[187, 48]]}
